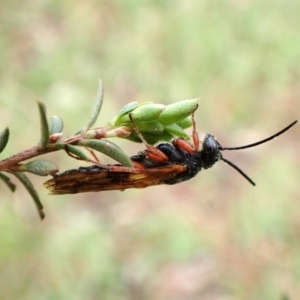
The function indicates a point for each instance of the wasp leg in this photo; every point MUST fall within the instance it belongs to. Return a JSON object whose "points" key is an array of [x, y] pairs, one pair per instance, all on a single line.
{"points": [[151, 152], [96, 162], [185, 145]]}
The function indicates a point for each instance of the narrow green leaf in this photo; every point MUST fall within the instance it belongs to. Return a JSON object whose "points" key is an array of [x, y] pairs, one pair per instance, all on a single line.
{"points": [[98, 105], [116, 121], [31, 190], [126, 109], [177, 111], [41, 167], [108, 148], [143, 113], [151, 138], [96, 110], [151, 127], [44, 139], [185, 123], [56, 125], [72, 149], [176, 131], [7, 181], [4, 136]]}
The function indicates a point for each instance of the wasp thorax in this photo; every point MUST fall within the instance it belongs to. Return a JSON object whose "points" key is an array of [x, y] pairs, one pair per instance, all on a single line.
{"points": [[210, 152]]}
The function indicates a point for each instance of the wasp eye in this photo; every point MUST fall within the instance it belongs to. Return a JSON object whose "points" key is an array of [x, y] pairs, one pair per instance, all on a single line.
{"points": [[210, 144]]}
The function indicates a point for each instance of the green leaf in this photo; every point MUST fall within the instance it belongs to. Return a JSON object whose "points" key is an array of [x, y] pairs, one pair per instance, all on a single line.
{"points": [[96, 110], [7, 181], [4, 136], [44, 139], [151, 138], [185, 123], [31, 190], [41, 167], [151, 127], [175, 112], [72, 149], [98, 105], [176, 131], [125, 110], [56, 125], [143, 113], [108, 148]]}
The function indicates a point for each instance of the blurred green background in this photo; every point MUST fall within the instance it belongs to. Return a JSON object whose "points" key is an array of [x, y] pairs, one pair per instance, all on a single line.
{"points": [[214, 237]]}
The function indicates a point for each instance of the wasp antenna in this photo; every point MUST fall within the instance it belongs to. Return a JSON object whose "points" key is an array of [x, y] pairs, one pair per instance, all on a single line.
{"points": [[239, 170], [260, 142]]}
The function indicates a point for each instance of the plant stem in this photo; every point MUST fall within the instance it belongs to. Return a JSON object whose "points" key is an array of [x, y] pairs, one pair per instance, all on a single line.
{"points": [[7, 163]]}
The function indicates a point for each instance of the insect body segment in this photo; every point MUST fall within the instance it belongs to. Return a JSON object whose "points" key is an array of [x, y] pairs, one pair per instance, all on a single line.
{"points": [[176, 156], [166, 163], [210, 152]]}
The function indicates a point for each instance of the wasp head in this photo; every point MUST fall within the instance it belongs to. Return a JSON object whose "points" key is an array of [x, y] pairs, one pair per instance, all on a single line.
{"points": [[210, 152]]}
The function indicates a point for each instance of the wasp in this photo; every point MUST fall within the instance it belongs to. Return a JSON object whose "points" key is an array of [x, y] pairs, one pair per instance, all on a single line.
{"points": [[165, 163]]}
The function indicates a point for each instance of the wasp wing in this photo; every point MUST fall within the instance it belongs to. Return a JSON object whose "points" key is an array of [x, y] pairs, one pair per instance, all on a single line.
{"points": [[89, 180]]}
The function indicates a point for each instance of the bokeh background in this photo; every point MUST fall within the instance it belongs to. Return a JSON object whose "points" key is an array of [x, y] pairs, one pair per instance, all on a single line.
{"points": [[214, 237]]}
